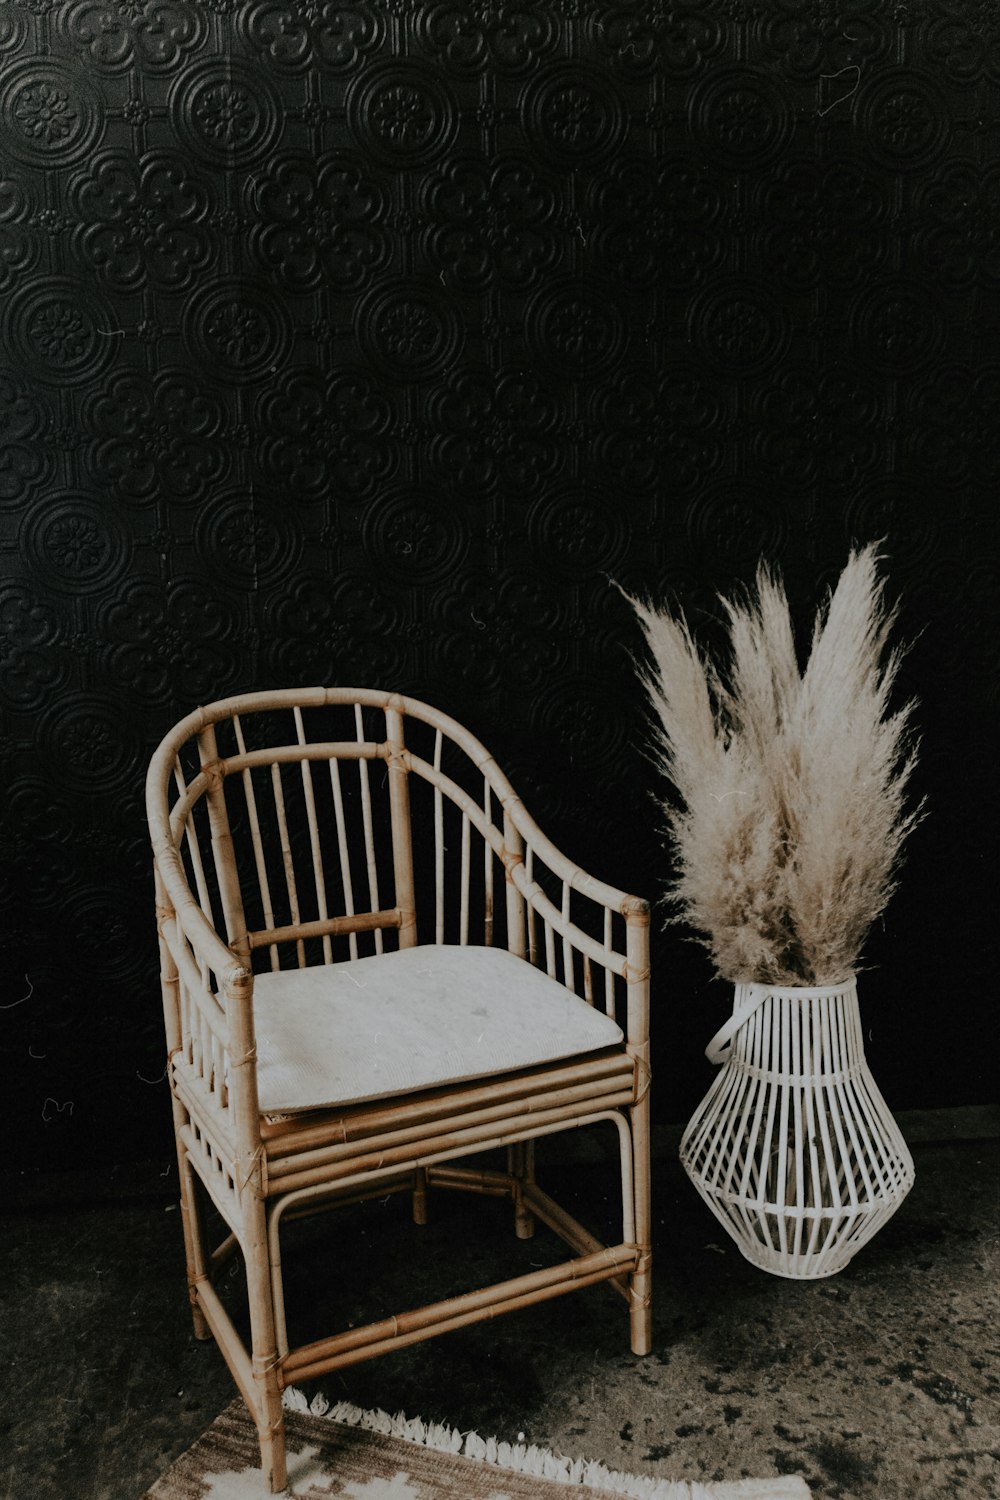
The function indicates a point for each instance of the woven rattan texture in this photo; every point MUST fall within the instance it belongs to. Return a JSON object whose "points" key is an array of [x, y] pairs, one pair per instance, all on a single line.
{"points": [[363, 342]]}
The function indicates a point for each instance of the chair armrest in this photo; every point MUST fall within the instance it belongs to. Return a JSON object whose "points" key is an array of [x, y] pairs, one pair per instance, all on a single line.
{"points": [[207, 945]]}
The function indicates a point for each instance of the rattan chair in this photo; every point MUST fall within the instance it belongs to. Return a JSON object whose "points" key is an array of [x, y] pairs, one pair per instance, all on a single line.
{"points": [[374, 965]]}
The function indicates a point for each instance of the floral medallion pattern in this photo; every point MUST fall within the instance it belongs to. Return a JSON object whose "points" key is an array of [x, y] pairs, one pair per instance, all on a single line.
{"points": [[142, 220], [150, 431], [26, 460], [322, 432], [493, 222], [164, 638], [494, 431], [295, 35], [472, 36], [18, 246], [379, 339], [155, 35], [320, 222]]}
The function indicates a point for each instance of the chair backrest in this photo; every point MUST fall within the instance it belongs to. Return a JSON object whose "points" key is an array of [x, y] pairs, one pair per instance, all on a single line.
{"points": [[315, 825]]}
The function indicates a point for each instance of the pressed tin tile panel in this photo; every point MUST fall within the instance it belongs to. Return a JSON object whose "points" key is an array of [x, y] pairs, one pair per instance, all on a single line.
{"points": [[370, 342]]}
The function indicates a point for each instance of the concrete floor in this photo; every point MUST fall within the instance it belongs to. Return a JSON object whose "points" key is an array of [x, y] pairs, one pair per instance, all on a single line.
{"points": [[884, 1381]]}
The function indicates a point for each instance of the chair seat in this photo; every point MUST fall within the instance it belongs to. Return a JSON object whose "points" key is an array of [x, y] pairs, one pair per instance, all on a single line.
{"points": [[400, 1022]]}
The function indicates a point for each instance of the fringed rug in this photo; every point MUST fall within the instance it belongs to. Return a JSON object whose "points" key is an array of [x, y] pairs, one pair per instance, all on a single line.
{"points": [[372, 1456]]}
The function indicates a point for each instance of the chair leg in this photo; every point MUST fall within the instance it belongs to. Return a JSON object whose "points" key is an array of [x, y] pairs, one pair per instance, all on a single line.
{"points": [[641, 1280], [269, 1415], [521, 1166], [193, 1227], [420, 1195]]}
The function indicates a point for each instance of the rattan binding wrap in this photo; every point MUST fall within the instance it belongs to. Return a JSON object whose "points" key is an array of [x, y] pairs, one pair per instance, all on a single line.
{"points": [[793, 1147]]}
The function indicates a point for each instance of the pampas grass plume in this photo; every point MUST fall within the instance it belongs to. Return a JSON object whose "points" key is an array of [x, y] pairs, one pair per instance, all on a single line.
{"points": [[788, 812]]}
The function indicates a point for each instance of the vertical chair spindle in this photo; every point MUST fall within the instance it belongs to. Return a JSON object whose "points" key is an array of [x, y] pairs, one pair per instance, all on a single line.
{"points": [[366, 816], [314, 844]]}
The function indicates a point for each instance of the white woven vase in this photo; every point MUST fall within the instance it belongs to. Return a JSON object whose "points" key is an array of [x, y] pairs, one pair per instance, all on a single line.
{"points": [[793, 1147]]}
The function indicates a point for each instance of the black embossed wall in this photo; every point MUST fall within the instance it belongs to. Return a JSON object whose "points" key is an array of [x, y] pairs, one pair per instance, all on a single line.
{"points": [[369, 341]]}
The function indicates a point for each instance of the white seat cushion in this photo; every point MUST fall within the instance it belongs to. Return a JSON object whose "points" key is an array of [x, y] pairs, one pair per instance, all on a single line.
{"points": [[347, 1032]]}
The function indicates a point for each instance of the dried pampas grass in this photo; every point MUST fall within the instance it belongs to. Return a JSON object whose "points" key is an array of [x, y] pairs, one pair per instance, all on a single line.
{"points": [[789, 814]]}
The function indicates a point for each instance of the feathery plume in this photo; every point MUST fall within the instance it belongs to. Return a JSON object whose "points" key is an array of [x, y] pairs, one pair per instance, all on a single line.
{"points": [[788, 813]]}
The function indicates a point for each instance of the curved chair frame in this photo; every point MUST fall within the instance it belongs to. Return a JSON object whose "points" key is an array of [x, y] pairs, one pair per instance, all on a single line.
{"points": [[258, 1172]]}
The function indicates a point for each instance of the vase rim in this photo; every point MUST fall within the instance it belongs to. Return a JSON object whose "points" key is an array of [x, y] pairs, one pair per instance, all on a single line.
{"points": [[757, 988]]}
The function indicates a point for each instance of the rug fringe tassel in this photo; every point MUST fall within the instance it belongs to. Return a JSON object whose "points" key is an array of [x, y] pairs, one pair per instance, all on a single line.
{"points": [[518, 1457]]}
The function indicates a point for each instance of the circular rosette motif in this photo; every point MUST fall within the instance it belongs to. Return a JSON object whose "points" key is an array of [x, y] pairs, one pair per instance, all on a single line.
{"points": [[74, 545], [142, 220], [493, 430], [237, 330], [226, 112], [51, 115], [155, 35], [739, 329], [295, 35], [584, 719], [106, 931], [151, 434], [326, 432], [578, 531], [246, 539], [407, 330], [886, 511], [739, 119], [736, 525], [573, 115], [414, 536], [91, 743], [494, 222], [658, 220], [403, 114], [895, 328], [575, 330], [62, 330], [171, 641], [320, 221], [26, 458], [904, 117]]}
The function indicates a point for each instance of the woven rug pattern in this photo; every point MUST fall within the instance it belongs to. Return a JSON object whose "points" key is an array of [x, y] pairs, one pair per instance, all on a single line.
{"points": [[366, 1456]]}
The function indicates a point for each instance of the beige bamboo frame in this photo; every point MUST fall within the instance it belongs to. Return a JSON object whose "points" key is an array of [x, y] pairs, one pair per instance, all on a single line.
{"points": [[259, 1173]]}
